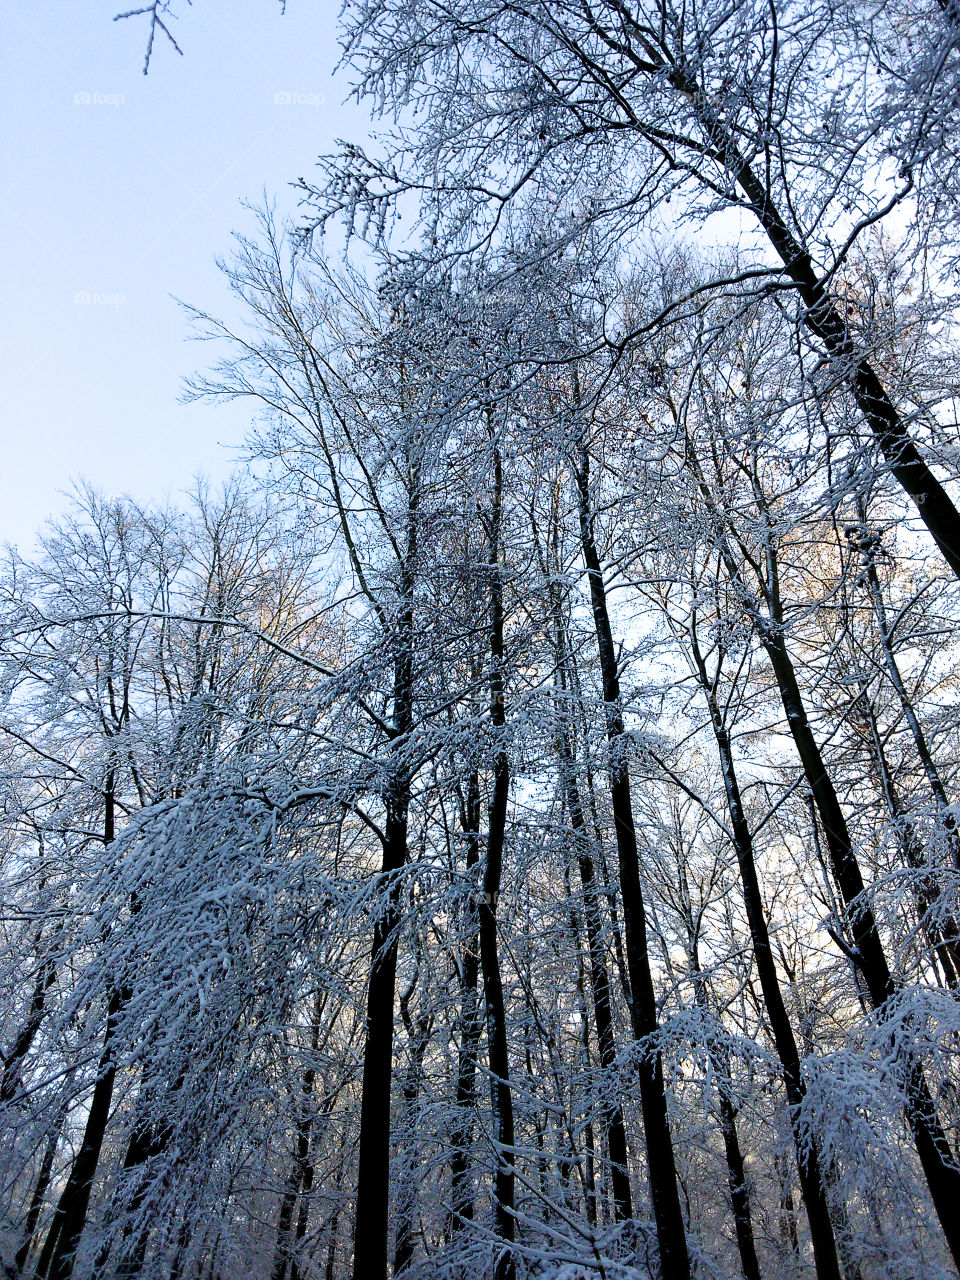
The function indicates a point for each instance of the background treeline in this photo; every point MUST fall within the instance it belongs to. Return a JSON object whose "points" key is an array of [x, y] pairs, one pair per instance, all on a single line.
{"points": [[512, 831]]}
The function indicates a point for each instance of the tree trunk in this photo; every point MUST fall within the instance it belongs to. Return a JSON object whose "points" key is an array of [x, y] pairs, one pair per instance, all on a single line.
{"points": [[942, 1175], [471, 1025], [868, 546], [788, 1214], [590, 1149], [866, 953], [303, 1213], [599, 978], [281, 1253], [822, 318], [63, 1236], [371, 1223], [942, 946], [739, 1192], [373, 1176], [418, 1037], [147, 1141], [57, 1257], [808, 1165], [39, 1192], [10, 1080], [600, 983], [501, 1097], [671, 1236], [296, 1189], [948, 946]]}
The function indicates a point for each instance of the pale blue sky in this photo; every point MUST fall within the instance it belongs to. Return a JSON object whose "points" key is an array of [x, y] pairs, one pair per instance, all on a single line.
{"points": [[116, 186]]}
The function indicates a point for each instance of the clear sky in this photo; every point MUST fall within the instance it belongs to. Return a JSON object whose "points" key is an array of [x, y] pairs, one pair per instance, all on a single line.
{"points": [[118, 191]]}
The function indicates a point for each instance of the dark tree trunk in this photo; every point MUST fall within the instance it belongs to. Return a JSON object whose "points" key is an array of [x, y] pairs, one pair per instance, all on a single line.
{"points": [[297, 1188], [867, 953], [664, 1193], [808, 1167], [822, 318], [868, 547], [371, 1223], [788, 1214], [13, 1061], [942, 944], [281, 1253], [947, 936], [471, 1025], [63, 1236], [600, 983], [373, 1177], [501, 1097], [599, 978], [57, 1257], [149, 1139], [720, 1064], [147, 1142], [610, 887], [589, 1142], [739, 1191], [39, 1192], [418, 1037], [303, 1213], [591, 814]]}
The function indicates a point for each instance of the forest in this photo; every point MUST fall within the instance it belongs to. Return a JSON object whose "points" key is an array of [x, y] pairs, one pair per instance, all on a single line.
{"points": [[511, 830]]}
